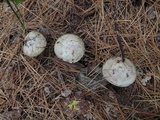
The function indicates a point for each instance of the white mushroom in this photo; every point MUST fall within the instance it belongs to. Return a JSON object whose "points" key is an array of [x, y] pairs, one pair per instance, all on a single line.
{"points": [[118, 73], [69, 48], [35, 44]]}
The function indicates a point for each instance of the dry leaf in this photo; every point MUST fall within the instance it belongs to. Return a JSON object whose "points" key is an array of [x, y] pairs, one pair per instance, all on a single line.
{"points": [[1, 92], [2, 101], [66, 93], [13, 115], [151, 12], [111, 110]]}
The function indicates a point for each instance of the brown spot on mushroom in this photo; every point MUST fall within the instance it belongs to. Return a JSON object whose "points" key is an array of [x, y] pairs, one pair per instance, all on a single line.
{"points": [[73, 53], [113, 71], [118, 61], [127, 75], [120, 67]]}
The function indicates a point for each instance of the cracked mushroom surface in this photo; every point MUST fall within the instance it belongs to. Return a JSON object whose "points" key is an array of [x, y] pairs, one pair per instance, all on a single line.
{"points": [[35, 44], [118, 73], [69, 48]]}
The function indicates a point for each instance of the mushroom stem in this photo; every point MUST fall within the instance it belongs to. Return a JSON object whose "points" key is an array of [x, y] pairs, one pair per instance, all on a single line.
{"points": [[121, 47]]}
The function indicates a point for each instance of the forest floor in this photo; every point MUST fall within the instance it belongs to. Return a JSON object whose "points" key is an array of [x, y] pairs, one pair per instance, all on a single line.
{"points": [[47, 88]]}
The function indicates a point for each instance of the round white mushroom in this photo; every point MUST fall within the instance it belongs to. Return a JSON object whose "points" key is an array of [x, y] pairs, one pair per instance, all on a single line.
{"points": [[118, 73], [69, 48], [35, 44]]}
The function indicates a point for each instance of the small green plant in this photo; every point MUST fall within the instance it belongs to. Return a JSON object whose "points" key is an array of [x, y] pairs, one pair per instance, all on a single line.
{"points": [[17, 11], [73, 105], [18, 1]]}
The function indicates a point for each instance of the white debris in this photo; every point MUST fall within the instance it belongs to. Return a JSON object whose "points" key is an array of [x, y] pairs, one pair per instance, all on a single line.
{"points": [[145, 80], [6, 7], [111, 110], [89, 116], [46, 89], [151, 12], [66, 93]]}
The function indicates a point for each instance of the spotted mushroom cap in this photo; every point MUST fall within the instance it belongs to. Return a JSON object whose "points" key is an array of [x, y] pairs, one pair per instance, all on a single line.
{"points": [[118, 73], [35, 44], [69, 48]]}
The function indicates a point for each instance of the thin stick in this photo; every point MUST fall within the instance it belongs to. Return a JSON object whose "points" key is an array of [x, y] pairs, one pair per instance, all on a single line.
{"points": [[21, 22], [18, 10], [117, 31]]}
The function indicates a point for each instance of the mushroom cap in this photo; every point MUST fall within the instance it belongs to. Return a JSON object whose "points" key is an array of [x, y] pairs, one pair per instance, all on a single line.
{"points": [[69, 48], [35, 44], [118, 73]]}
